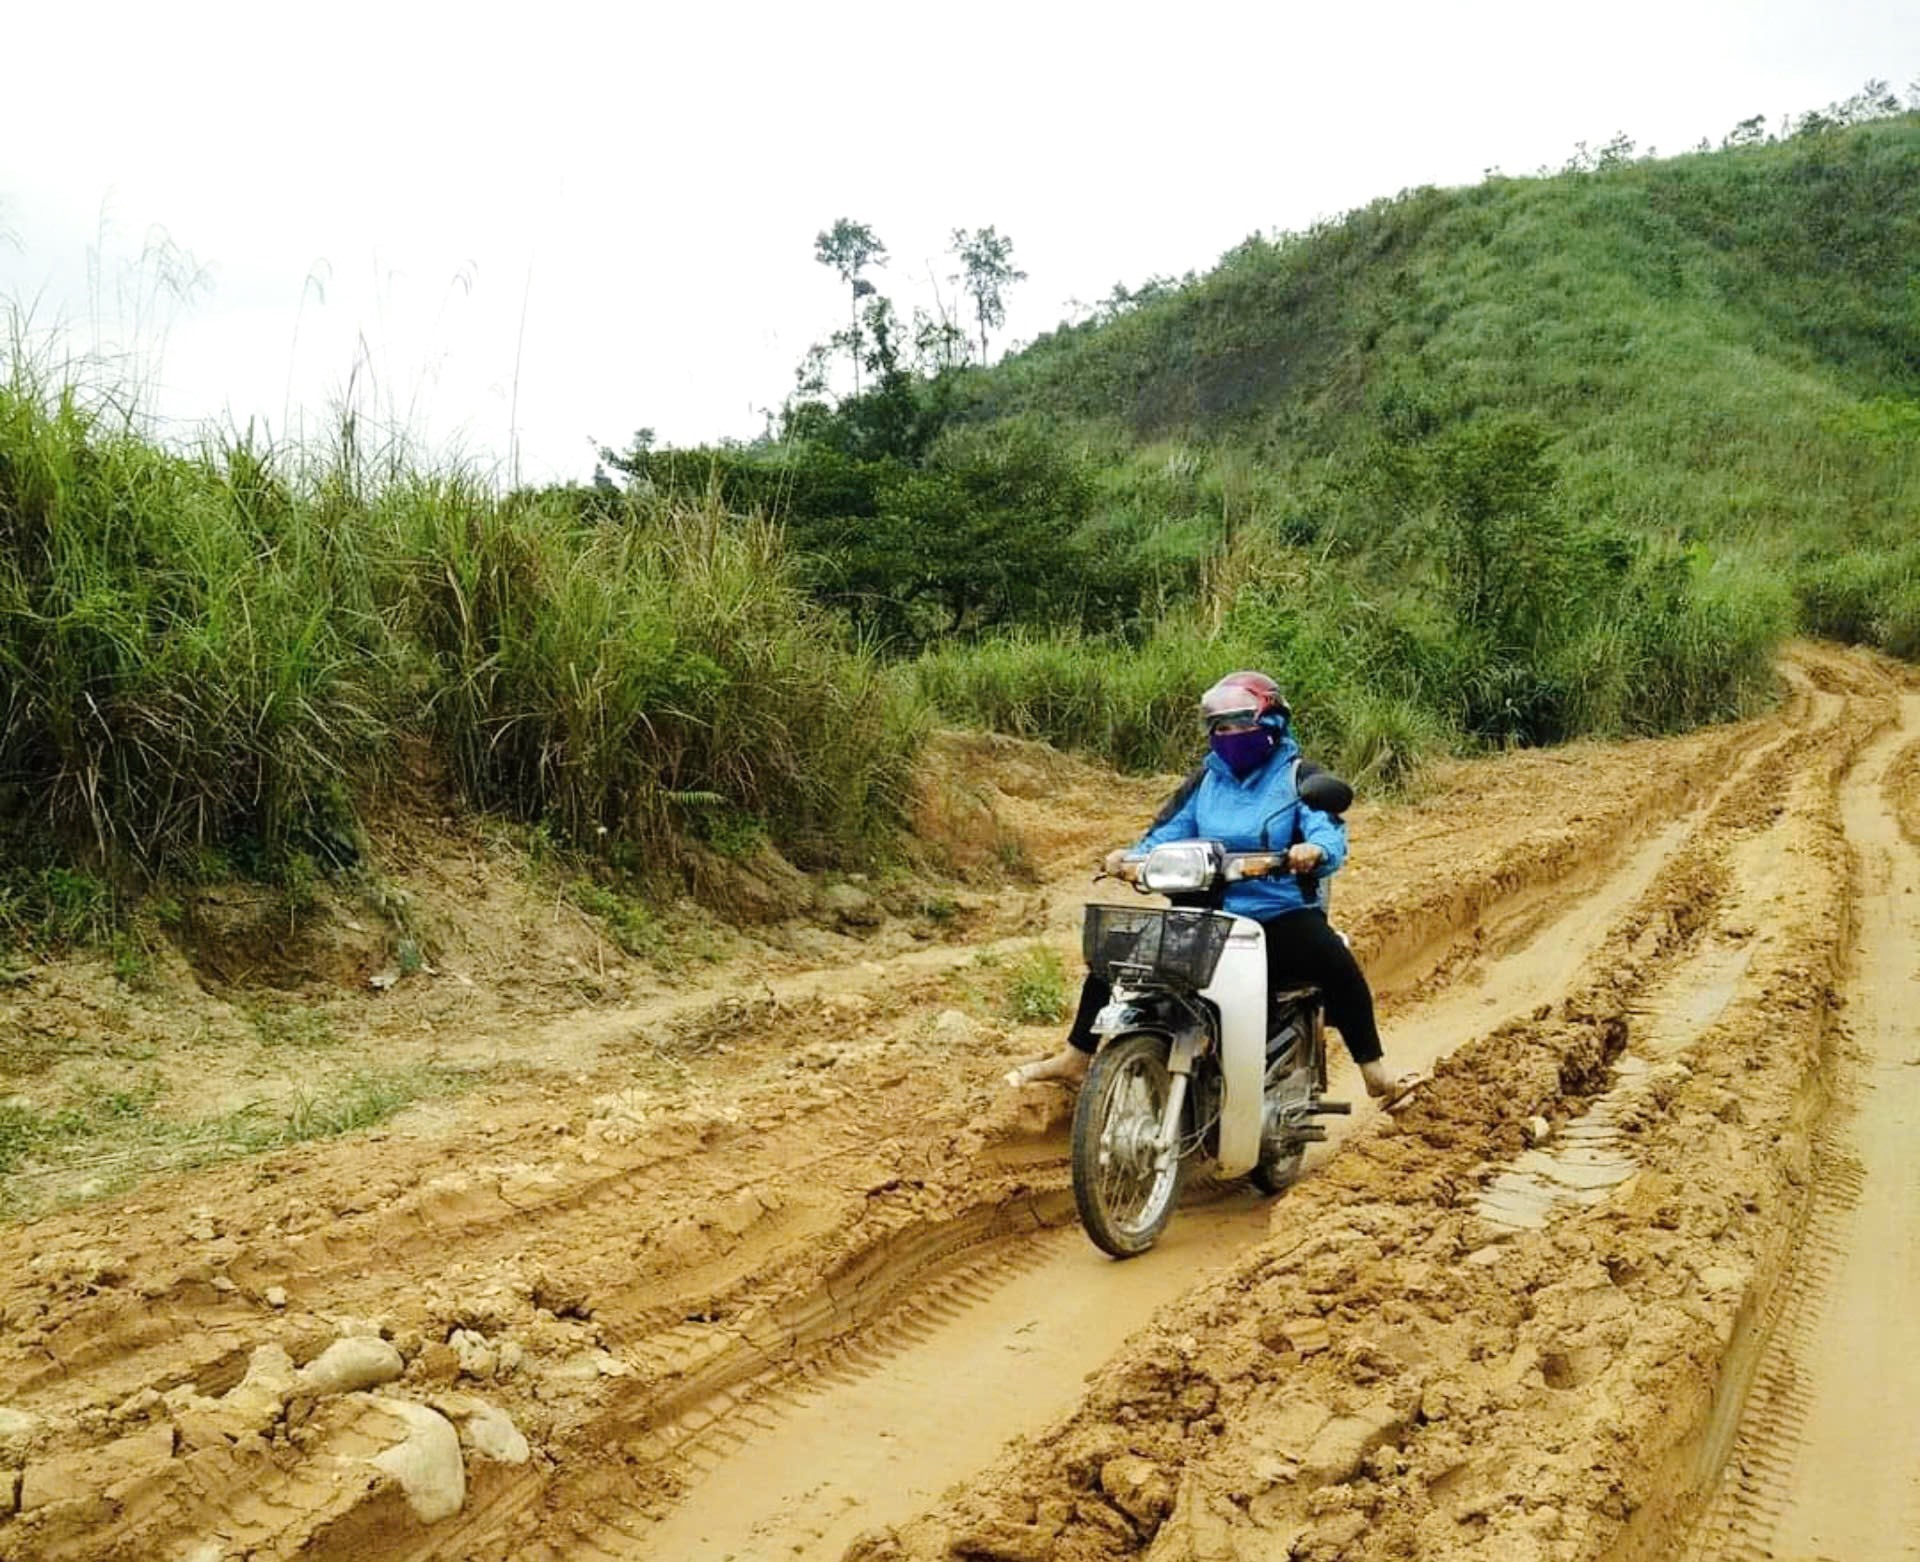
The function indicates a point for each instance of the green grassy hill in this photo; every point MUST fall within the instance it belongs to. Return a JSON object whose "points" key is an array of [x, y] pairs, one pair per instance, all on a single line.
{"points": [[1679, 400], [1727, 340], [1653, 305]]}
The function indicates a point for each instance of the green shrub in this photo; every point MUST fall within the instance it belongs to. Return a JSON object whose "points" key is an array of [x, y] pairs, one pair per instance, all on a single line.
{"points": [[1869, 597], [187, 657]]}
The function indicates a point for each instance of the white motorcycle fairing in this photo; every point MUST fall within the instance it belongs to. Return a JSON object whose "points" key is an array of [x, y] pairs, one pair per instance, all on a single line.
{"points": [[1239, 995]]}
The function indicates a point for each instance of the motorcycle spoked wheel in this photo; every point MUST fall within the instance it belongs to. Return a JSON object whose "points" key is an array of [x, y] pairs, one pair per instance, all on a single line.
{"points": [[1124, 1201]]}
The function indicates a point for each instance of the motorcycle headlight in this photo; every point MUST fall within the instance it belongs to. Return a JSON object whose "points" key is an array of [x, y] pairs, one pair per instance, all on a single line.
{"points": [[1178, 868]]}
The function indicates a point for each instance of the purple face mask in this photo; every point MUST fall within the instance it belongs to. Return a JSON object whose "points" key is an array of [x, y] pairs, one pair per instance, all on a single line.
{"points": [[1244, 752]]}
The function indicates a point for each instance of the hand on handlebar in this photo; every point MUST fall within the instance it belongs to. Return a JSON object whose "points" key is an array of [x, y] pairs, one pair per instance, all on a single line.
{"points": [[1304, 857], [1118, 865]]}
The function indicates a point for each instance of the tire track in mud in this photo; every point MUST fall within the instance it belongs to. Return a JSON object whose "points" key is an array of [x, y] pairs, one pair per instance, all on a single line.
{"points": [[827, 1459], [1813, 1449]]}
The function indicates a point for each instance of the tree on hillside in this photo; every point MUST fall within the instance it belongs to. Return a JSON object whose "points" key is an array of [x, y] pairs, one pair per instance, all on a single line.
{"points": [[884, 339], [988, 271], [632, 462], [982, 534], [938, 345], [848, 248], [1873, 101]]}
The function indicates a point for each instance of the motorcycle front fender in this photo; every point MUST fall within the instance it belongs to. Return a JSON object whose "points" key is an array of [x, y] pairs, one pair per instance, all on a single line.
{"points": [[1238, 992]]}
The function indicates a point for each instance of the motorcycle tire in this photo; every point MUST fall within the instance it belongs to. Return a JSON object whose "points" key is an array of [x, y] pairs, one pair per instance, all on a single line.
{"points": [[1124, 1202]]}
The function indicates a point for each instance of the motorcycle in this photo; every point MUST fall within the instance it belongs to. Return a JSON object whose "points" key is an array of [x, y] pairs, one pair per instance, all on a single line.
{"points": [[1196, 1059]]}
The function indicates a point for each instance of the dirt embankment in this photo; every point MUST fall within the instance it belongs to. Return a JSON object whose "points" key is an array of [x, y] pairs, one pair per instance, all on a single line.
{"points": [[746, 1267]]}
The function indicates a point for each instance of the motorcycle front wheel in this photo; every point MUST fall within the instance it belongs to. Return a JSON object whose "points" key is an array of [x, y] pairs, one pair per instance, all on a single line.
{"points": [[1125, 1198]]}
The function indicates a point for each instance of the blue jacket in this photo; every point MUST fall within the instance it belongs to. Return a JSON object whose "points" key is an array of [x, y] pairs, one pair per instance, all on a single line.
{"points": [[1259, 812]]}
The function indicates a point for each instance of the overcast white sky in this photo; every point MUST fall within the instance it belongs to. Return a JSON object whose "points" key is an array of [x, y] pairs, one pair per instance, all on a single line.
{"points": [[550, 224]]}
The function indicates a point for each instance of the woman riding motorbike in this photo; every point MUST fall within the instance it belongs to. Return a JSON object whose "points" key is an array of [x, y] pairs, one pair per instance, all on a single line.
{"points": [[1246, 796]]}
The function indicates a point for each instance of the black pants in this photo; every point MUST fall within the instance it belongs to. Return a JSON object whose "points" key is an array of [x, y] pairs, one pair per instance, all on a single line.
{"points": [[1302, 950]]}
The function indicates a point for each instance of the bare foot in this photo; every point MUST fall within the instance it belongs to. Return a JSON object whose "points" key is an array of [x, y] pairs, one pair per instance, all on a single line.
{"points": [[1068, 1065]]}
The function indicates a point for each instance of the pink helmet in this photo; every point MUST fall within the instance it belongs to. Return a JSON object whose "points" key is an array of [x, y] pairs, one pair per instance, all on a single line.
{"points": [[1243, 696]]}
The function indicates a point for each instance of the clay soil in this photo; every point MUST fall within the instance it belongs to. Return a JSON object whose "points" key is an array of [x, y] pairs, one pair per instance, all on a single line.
{"points": [[751, 1255]]}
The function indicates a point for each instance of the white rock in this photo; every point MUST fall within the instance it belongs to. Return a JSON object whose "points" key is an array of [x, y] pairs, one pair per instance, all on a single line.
{"points": [[350, 1364], [427, 1462], [586, 1365], [484, 1428], [202, 1226], [349, 1327], [490, 1432], [478, 1359], [276, 1296], [609, 1365], [1539, 1130]]}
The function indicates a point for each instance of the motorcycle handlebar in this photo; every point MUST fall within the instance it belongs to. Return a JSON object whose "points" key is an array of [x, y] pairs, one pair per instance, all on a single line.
{"points": [[1235, 867]]}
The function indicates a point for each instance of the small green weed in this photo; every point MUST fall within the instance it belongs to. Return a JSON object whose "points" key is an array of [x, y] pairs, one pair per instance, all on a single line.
{"points": [[1036, 986], [631, 923], [55, 907], [113, 1136], [131, 965], [28, 1131], [362, 1101]]}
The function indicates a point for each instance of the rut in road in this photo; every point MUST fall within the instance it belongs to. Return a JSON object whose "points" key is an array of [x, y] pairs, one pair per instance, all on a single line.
{"points": [[1825, 1455], [806, 1475]]}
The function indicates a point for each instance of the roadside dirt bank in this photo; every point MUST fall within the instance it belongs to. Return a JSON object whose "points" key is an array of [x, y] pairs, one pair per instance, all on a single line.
{"points": [[694, 1219]]}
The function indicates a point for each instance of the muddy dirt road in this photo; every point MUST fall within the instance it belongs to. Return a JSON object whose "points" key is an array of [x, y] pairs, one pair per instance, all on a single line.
{"points": [[1826, 1440], [777, 1269]]}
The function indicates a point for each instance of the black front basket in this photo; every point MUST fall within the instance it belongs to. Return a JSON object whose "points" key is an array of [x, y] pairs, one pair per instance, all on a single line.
{"points": [[1180, 948]]}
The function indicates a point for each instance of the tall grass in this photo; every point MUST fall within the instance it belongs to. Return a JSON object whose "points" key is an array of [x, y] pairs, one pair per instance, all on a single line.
{"points": [[1545, 632], [222, 649], [1136, 706], [188, 656], [631, 676]]}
